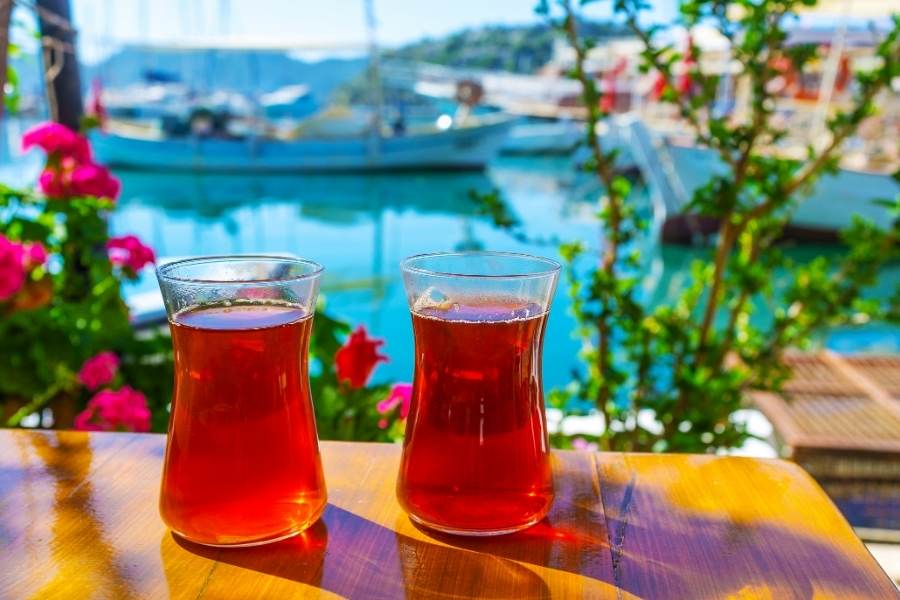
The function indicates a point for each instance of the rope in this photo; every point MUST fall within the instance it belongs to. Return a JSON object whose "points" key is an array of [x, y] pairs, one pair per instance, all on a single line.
{"points": [[54, 59]]}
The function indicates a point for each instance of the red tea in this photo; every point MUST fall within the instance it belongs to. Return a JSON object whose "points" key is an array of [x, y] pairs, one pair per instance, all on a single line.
{"points": [[242, 462], [476, 455]]}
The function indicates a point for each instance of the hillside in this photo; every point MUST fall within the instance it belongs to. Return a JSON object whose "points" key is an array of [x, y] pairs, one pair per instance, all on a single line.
{"points": [[518, 49]]}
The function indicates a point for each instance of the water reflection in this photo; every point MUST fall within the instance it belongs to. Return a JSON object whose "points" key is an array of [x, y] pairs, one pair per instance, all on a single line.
{"points": [[330, 198], [83, 557], [361, 226]]}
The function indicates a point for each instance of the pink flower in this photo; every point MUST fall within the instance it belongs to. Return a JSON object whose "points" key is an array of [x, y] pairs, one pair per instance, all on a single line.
{"points": [[12, 271], [580, 443], [401, 395], [70, 178], [128, 252], [120, 410], [34, 255], [53, 183], [59, 140], [91, 179], [357, 358], [99, 370]]}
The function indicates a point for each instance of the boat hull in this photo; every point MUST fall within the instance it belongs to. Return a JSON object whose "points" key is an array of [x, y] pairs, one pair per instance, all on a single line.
{"points": [[464, 148], [829, 207]]}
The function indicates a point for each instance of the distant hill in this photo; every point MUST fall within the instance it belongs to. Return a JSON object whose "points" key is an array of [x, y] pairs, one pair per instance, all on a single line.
{"points": [[248, 71], [514, 48], [242, 70]]}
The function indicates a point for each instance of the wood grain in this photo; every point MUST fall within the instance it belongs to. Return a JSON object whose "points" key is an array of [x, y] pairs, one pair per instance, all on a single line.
{"points": [[78, 518]]}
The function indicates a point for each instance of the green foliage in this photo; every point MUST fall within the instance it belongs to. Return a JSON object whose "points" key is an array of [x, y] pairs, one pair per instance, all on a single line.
{"points": [[42, 347], [670, 378]]}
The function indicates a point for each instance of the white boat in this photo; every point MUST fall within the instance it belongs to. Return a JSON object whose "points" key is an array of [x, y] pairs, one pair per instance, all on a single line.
{"points": [[829, 207], [553, 137], [470, 145]]}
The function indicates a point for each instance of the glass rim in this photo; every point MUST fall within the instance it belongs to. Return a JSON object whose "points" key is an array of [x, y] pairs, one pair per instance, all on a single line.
{"points": [[553, 267], [163, 271]]}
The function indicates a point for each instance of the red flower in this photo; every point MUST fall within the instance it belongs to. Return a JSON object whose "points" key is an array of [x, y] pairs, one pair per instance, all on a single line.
{"points": [[128, 252], [99, 370], [59, 140], [121, 410], [357, 358]]}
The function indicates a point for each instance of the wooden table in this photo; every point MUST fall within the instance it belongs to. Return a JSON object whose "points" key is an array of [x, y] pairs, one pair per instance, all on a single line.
{"points": [[78, 519]]}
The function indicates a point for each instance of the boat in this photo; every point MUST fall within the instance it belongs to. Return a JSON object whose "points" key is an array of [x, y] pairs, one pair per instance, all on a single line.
{"points": [[470, 145], [829, 207], [544, 138]]}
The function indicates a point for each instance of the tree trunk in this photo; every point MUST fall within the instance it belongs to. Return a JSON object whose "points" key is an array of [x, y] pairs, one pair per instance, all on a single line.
{"points": [[64, 90]]}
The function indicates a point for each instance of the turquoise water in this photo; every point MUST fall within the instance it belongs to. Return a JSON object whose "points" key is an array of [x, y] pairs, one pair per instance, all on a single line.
{"points": [[361, 226]]}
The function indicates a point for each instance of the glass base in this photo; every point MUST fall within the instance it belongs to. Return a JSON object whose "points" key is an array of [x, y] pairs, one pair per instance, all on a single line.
{"points": [[474, 532], [247, 544]]}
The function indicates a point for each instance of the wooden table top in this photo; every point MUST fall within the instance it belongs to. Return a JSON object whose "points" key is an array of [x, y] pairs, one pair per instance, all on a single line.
{"points": [[78, 518]]}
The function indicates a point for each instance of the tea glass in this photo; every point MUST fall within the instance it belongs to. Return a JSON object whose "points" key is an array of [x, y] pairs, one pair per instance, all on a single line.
{"points": [[242, 464], [476, 455]]}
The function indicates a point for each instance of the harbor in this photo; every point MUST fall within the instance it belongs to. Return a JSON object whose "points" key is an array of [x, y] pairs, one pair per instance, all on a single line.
{"points": [[719, 216]]}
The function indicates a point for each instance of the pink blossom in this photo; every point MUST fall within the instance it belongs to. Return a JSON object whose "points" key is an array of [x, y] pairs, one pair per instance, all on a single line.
{"points": [[34, 255], [127, 251], [59, 140], [12, 271], [91, 179], [401, 395], [70, 178], [382, 423], [53, 183], [99, 370], [580, 443], [120, 410]]}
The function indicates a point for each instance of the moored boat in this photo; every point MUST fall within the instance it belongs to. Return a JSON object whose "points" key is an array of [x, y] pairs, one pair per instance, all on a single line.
{"points": [[470, 145]]}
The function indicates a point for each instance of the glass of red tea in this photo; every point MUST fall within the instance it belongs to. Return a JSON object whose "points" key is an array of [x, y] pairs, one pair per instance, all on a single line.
{"points": [[242, 463], [476, 458]]}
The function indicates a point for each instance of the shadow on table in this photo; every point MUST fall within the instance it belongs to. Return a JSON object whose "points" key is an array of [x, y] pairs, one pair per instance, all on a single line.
{"points": [[669, 536], [351, 556]]}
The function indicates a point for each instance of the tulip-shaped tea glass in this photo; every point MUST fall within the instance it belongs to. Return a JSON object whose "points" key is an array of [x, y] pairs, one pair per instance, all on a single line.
{"points": [[242, 463], [476, 456]]}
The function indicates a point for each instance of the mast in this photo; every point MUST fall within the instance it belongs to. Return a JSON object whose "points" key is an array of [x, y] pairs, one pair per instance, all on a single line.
{"points": [[375, 89], [829, 78]]}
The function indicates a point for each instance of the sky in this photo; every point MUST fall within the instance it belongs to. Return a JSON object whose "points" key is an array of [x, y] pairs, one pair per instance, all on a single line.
{"points": [[104, 24]]}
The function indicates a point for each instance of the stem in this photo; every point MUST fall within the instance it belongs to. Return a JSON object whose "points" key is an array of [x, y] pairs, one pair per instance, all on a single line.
{"points": [[606, 174], [727, 235], [742, 298], [36, 404]]}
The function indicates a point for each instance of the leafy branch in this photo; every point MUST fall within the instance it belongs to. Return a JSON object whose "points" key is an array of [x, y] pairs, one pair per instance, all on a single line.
{"points": [[670, 377]]}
